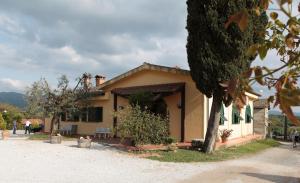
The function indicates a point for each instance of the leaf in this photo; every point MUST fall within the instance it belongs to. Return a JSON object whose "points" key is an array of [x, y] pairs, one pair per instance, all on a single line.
{"points": [[248, 73], [289, 114], [289, 41], [282, 2], [262, 51], [232, 85], [259, 75], [252, 50], [264, 4], [290, 97], [282, 51], [240, 18], [279, 23], [274, 15], [271, 99], [240, 101], [257, 11], [243, 23]]}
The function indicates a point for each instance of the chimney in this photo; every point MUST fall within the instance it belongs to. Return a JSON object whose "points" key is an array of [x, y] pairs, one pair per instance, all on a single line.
{"points": [[99, 80]]}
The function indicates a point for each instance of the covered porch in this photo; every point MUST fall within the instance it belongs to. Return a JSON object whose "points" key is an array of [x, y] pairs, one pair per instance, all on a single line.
{"points": [[172, 93]]}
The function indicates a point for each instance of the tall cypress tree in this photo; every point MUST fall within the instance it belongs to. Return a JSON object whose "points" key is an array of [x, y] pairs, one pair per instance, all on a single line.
{"points": [[217, 54]]}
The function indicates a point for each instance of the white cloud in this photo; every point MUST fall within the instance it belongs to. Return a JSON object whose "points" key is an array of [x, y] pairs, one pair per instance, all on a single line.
{"points": [[11, 26], [8, 84], [98, 36]]}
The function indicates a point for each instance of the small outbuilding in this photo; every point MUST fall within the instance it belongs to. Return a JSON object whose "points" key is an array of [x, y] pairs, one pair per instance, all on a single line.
{"points": [[261, 117]]}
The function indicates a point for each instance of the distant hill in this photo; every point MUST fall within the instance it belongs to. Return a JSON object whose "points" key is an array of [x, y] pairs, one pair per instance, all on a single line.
{"points": [[279, 113], [13, 98], [273, 112]]}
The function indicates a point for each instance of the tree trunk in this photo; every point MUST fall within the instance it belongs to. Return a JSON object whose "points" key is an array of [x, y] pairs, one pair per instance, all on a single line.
{"points": [[213, 125], [54, 124]]}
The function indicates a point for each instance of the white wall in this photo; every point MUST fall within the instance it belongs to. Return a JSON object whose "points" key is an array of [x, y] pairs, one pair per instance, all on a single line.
{"points": [[239, 130]]}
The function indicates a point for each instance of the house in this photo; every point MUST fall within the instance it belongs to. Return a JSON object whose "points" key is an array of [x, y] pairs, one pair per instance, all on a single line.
{"points": [[261, 117], [188, 109]]}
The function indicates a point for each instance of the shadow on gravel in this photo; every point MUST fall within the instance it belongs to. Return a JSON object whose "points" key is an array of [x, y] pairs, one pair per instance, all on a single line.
{"points": [[288, 145], [274, 178], [98, 147]]}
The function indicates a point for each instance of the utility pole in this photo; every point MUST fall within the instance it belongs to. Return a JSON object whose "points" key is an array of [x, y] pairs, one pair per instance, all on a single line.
{"points": [[285, 128]]}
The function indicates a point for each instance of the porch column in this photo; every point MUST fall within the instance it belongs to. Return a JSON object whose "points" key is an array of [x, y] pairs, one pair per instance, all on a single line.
{"points": [[182, 113], [115, 109]]}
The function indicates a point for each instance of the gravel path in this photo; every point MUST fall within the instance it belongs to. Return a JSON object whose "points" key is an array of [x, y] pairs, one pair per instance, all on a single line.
{"points": [[276, 165], [24, 161]]}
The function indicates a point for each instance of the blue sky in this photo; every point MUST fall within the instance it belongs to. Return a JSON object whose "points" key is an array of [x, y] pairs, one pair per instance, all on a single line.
{"points": [[48, 38]]}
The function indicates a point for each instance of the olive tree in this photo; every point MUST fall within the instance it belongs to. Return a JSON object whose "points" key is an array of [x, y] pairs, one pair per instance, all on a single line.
{"points": [[44, 101]]}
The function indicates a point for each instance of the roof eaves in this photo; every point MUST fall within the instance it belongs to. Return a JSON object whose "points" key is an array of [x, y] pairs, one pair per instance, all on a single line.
{"points": [[145, 66]]}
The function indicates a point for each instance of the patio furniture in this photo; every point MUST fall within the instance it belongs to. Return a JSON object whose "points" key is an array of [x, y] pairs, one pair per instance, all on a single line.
{"points": [[103, 132], [74, 129], [69, 130], [66, 130]]}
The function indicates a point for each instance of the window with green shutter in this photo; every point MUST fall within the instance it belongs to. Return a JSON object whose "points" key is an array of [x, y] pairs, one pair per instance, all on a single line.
{"points": [[236, 117], [222, 116], [248, 115]]}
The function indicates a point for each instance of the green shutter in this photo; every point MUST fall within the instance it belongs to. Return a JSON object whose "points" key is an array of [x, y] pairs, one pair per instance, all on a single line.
{"points": [[222, 117], [248, 115], [236, 115]]}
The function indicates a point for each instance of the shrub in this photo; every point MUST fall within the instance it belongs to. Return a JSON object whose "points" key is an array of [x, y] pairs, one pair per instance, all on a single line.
{"points": [[35, 124], [2, 123], [197, 143], [142, 126], [169, 140]]}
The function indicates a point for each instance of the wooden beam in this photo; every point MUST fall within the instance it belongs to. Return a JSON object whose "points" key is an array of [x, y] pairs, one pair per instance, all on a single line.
{"points": [[182, 113]]}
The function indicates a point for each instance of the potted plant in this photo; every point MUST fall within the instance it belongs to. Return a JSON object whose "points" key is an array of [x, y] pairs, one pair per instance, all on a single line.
{"points": [[170, 144], [55, 138], [224, 134], [84, 142], [4, 131]]}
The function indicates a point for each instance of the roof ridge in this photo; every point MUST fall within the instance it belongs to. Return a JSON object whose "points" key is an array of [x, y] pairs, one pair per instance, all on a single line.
{"points": [[145, 66]]}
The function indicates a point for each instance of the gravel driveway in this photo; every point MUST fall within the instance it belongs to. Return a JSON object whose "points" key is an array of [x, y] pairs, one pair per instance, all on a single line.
{"points": [[27, 161]]}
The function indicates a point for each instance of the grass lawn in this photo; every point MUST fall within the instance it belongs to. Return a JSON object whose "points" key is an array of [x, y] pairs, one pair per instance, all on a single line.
{"points": [[42, 136], [223, 154]]}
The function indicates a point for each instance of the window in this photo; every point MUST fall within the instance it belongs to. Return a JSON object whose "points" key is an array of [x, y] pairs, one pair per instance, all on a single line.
{"points": [[95, 114], [83, 114], [248, 115], [236, 115], [90, 114], [222, 116], [63, 116], [73, 116]]}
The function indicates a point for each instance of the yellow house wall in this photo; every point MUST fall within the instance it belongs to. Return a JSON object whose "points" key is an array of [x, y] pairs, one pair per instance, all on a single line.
{"points": [[89, 128], [194, 100], [194, 112], [174, 115], [47, 126]]}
